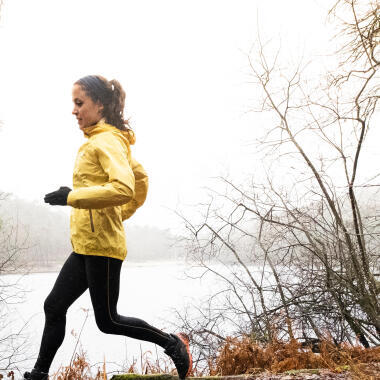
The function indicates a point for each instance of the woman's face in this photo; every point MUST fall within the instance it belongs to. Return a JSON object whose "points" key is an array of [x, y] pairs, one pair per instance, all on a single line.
{"points": [[86, 111]]}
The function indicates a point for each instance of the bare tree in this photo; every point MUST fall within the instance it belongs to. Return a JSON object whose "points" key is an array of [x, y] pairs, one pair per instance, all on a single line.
{"points": [[297, 252], [13, 341]]}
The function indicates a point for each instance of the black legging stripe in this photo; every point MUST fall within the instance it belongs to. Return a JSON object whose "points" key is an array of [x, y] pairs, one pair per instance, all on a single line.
{"points": [[101, 275], [149, 329]]}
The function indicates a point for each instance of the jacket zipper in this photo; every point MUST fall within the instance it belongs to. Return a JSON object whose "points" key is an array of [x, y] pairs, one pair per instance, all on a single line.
{"points": [[91, 221]]}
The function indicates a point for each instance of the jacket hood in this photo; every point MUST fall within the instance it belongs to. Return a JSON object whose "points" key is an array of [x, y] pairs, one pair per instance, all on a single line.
{"points": [[127, 136]]}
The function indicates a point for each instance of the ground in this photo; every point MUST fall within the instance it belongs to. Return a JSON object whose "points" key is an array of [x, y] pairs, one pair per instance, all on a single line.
{"points": [[364, 372]]}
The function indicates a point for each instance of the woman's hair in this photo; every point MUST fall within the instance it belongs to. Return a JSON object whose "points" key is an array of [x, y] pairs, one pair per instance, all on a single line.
{"points": [[111, 95]]}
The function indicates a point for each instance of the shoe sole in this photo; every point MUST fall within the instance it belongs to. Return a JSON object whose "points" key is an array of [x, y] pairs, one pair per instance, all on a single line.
{"points": [[185, 340]]}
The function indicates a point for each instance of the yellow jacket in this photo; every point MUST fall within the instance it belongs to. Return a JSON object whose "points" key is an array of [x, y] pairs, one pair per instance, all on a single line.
{"points": [[108, 187]]}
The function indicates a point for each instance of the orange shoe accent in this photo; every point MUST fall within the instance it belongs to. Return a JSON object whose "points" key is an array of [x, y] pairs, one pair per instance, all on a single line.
{"points": [[185, 340]]}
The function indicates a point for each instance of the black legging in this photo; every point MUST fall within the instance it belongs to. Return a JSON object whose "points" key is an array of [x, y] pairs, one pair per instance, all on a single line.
{"points": [[102, 276]]}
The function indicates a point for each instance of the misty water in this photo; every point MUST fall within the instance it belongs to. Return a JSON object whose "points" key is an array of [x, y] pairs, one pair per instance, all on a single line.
{"points": [[147, 291]]}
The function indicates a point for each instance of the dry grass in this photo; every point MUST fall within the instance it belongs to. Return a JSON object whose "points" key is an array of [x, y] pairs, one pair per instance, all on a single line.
{"points": [[242, 356], [79, 369], [148, 365], [10, 375]]}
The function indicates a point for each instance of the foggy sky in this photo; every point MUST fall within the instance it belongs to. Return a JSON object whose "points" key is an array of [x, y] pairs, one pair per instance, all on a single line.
{"points": [[184, 67]]}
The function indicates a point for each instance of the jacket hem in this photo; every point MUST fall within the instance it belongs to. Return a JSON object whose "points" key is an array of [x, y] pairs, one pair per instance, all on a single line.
{"points": [[98, 253]]}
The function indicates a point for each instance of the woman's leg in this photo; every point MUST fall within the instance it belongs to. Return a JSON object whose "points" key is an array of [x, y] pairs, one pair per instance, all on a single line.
{"points": [[103, 276], [70, 284]]}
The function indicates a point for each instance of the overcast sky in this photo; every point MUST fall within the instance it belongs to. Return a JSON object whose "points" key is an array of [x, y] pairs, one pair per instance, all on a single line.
{"points": [[183, 66]]}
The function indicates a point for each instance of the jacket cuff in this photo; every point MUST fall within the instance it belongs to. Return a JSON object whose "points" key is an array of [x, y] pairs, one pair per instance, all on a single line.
{"points": [[71, 199]]}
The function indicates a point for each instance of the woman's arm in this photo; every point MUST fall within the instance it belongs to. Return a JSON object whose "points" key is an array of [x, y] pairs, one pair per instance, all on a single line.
{"points": [[119, 189], [141, 190]]}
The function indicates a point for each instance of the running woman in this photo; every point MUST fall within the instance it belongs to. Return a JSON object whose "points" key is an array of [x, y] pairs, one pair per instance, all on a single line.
{"points": [[108, 186]]}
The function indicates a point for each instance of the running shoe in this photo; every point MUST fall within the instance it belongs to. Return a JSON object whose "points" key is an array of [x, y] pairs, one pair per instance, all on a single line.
{"points": [[178, 349], [36, 375]]}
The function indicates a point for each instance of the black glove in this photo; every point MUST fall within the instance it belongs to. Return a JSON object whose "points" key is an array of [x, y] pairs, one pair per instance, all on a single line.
{"points": [[58, 197]]}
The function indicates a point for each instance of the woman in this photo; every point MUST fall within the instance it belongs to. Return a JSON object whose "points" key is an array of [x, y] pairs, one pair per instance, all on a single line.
{"points": [[109, 185]]}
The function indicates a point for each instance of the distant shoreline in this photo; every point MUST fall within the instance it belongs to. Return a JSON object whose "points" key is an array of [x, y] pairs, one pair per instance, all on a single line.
{"points": [[57, 267]]}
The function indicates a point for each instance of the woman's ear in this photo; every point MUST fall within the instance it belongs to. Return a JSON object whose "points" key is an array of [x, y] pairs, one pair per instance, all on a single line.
{"points": [[100, 108]]}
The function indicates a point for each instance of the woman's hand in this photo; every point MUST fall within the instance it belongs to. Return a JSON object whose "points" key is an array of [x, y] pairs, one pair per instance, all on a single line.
{"points": [[58, 197]]}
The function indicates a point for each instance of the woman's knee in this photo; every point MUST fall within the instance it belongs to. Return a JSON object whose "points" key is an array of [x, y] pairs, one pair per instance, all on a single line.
{"points": [[52, 307], [105, 323], [105, 326]]}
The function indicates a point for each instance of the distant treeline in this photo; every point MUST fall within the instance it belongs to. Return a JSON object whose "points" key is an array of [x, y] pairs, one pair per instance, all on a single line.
{"points": [[43, 235]]}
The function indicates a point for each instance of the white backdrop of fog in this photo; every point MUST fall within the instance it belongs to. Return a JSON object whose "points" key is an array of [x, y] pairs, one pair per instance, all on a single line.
{"points": [[184, 67]]}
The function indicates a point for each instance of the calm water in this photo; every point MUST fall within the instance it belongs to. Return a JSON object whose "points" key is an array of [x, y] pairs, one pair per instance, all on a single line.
{"points": [[147, 291]]}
